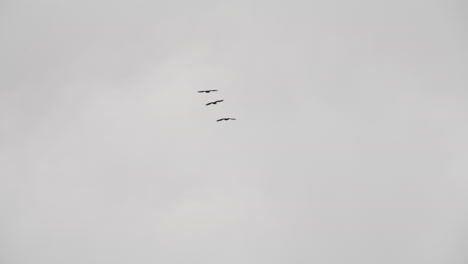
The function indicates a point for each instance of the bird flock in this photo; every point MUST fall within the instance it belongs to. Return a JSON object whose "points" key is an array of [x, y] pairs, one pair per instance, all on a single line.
{"points": [[214, 103]]}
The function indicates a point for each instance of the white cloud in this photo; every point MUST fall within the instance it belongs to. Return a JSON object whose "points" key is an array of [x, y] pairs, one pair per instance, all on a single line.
{"points": [[350, 143]]}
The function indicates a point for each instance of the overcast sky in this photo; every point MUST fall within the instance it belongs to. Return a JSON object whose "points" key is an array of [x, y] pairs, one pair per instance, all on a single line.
{"points": [[351, 144]]}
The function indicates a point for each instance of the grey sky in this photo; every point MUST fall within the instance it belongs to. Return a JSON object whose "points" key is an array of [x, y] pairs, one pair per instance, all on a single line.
{"points": [[350, 145]]}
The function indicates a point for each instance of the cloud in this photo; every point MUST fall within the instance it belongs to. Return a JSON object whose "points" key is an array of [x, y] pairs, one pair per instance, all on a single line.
{"points": [[350, 143]]}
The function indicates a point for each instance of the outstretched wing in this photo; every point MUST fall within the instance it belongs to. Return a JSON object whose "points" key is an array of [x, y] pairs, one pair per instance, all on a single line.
{"points": [[207, 91], [215, 102], [219, 101], [225, 119]]}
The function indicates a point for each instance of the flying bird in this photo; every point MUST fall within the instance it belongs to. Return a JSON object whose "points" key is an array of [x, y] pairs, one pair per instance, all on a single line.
{"points": [[225, 119], [215, 102], [207, 91]]}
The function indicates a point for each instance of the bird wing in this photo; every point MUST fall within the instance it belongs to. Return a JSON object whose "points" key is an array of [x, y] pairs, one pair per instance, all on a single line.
{"points": [[215, 102], [225, 119]]}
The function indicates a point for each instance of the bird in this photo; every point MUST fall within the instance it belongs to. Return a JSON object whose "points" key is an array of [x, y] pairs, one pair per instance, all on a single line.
{"points": [[215, 102], [207, 91], [225, 119]]}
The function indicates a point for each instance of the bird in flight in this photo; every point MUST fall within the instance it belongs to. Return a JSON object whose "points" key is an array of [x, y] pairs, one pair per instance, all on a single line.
{"points": [[225, 119], [207, 91], [215, 102]]}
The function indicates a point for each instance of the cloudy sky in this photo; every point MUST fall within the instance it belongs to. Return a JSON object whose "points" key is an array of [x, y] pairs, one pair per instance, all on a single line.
{"points": [[350, 145]]}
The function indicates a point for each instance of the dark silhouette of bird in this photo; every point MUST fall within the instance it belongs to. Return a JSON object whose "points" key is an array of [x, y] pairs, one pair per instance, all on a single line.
{"points": [[207, 91], [215, 102], [225, 119]]}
